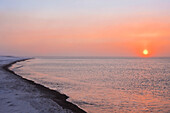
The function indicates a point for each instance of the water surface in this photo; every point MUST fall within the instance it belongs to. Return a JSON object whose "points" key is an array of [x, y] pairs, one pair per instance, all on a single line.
{"points": [[105, 85]]}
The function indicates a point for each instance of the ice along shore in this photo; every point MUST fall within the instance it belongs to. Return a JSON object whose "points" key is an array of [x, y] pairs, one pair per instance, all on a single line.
{"points": [[22, 95]]}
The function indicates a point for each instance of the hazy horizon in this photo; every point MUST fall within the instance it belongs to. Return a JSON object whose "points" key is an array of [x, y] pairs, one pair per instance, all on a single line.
{"points": [[85, 28]]}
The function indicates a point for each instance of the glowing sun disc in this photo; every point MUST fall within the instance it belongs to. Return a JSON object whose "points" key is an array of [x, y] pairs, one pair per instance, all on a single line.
{"points": [[145, 52]]}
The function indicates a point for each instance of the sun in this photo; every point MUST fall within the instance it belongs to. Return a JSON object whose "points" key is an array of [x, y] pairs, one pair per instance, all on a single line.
{"points": [[145, 52]]}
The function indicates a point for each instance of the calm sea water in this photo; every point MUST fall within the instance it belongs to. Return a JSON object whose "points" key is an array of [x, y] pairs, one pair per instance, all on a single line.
{"points": [[105, 85]]}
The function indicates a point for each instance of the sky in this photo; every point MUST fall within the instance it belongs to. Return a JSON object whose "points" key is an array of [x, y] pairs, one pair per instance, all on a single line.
{"points": [[85, 27]]}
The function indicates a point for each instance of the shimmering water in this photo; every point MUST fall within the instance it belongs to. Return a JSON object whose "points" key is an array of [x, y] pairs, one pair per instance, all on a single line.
{"points": [[105, 85]]}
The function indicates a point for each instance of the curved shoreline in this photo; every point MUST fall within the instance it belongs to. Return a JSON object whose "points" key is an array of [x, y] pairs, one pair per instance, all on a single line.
{"points": [[60, 99]]}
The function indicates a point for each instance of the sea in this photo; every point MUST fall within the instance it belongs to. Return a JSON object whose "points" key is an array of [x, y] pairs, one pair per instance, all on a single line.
{"points": [[104, 84]]}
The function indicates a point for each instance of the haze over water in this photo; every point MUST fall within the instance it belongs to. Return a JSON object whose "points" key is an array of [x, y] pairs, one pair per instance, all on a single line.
{"points": [[105, 85], [85, 27]]}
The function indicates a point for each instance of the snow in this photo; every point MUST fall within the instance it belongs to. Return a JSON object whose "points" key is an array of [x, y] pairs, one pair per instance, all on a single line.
{"points": [[18, 96]]}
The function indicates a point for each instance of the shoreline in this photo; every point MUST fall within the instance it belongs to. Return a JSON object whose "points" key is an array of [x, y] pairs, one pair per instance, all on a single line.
{"points": [[60, 99]]}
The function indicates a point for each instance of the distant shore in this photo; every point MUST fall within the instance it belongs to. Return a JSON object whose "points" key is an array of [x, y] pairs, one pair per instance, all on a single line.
{"points": [[60, 99]]}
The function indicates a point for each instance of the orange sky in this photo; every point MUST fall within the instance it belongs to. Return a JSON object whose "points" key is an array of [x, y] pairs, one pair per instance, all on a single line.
{"points": [[85, 34]]}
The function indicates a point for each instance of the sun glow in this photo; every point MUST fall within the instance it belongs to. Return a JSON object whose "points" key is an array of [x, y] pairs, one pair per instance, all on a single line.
{"points": [[145, 52]]}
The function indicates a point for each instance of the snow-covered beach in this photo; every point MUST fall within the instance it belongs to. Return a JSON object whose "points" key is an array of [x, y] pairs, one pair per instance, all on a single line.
{"points": [[19, 95]]}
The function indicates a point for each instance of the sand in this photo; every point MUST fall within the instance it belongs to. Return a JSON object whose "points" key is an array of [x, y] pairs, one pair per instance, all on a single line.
{"points": [[19, 95]]}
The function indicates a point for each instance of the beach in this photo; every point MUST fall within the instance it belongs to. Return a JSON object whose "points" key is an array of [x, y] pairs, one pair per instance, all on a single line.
{"points": [[19, 95]]}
